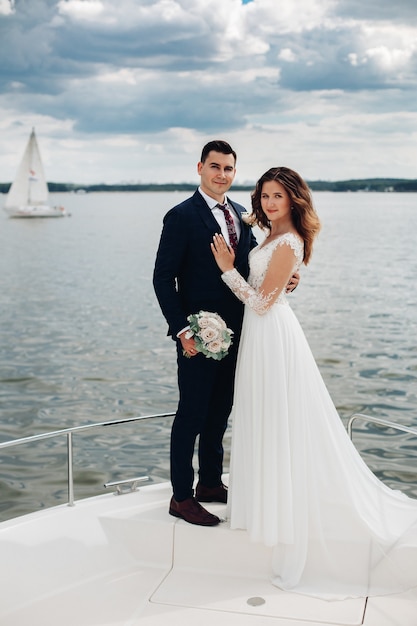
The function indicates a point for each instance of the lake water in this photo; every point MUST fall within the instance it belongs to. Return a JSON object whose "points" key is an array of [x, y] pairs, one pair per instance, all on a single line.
{"points": [[83, 339]]}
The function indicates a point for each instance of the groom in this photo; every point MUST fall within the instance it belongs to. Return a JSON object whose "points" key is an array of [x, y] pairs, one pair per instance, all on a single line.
{"points": [[187, 280]]}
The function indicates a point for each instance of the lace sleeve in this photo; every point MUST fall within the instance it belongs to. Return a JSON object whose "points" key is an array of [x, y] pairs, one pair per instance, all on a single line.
{"points": [[259, 302]]}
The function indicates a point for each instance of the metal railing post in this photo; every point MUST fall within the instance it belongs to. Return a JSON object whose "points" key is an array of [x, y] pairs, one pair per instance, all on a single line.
{"points": [[70, 471]]}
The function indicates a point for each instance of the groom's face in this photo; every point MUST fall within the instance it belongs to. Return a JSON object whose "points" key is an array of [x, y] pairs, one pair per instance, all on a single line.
{"points": [[217, 174]]}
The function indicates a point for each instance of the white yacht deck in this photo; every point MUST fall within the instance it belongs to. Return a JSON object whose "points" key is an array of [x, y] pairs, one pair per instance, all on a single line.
{"points": [[124, 561]]}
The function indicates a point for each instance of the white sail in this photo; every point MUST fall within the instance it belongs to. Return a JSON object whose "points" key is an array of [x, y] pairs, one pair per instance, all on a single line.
{"points": [[28, 194]]}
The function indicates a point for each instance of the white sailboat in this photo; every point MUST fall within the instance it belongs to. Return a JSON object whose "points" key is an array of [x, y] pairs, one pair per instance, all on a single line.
{"points": [[28, 194]]}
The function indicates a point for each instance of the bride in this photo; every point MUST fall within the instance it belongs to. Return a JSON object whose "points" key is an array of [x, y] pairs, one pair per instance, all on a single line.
{"points": [[297, 483]]}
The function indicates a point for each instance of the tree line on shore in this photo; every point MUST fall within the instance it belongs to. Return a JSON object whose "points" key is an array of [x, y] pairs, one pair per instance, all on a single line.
{"points": [[366, 184]]}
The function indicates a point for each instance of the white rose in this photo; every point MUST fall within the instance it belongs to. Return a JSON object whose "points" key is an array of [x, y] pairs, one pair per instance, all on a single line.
{"points": [[214, 323], [208, 334], [214, 346], [222, 323]]}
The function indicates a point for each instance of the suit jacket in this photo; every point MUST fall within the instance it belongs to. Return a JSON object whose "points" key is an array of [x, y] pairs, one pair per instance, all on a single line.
{"points": [[186, 277]]}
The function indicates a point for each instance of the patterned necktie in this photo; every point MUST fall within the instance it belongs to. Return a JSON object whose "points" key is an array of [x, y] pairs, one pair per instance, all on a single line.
{"points": [[230, 225]]}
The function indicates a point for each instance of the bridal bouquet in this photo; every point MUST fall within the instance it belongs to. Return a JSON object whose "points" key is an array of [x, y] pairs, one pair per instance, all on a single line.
{"points": [[211, 335]]}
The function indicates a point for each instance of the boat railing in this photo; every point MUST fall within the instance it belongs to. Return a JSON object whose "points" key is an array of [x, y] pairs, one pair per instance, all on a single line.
{"points": [[68, 433], [381, 422]]}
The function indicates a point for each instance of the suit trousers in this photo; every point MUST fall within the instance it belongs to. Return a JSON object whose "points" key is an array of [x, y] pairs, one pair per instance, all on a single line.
{"points": [[205, 401]]}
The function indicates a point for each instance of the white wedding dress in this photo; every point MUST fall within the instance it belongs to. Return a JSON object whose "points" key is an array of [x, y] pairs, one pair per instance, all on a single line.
{"points": [[297, 483]]}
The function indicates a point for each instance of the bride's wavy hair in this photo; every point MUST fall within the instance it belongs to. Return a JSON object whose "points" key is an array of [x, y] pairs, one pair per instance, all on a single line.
{"points": [[304, 216]]}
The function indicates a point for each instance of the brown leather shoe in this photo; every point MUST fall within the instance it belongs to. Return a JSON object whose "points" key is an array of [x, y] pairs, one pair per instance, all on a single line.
{"points": [[192, 512], [211, 494]]}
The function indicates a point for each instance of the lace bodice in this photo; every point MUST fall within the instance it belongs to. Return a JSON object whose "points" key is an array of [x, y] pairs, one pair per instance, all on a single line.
{"points": [[259, 260]]}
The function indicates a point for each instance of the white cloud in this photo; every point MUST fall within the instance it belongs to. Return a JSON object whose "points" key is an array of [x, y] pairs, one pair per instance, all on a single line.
{"points": [[389, 59], [286, 54], [270, 17], [81, 9], [389, 48], [6, 7]]}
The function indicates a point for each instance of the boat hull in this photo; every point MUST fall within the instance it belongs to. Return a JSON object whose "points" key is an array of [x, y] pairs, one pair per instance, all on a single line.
{"points": [[125, 561], [35, 211]]}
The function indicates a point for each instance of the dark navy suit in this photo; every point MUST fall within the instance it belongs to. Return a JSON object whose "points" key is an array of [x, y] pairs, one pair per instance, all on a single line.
{"points": [[187, 280]]}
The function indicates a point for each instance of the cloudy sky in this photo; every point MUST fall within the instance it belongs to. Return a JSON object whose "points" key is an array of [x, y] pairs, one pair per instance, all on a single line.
{"points": [[130, 90]]}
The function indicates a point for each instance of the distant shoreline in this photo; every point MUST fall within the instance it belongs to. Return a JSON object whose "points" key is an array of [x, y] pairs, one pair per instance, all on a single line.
{"points": [[366, 184]]}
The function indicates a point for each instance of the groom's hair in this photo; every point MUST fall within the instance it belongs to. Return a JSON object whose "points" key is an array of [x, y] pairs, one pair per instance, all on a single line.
{"points": [[217, 145]]}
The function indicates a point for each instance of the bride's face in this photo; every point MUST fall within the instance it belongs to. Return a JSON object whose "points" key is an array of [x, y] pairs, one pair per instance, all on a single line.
{"points": [[275, 201]]}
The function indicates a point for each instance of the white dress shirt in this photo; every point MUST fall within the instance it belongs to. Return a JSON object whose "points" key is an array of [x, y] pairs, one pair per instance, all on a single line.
{"points": [[219, 216]]}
